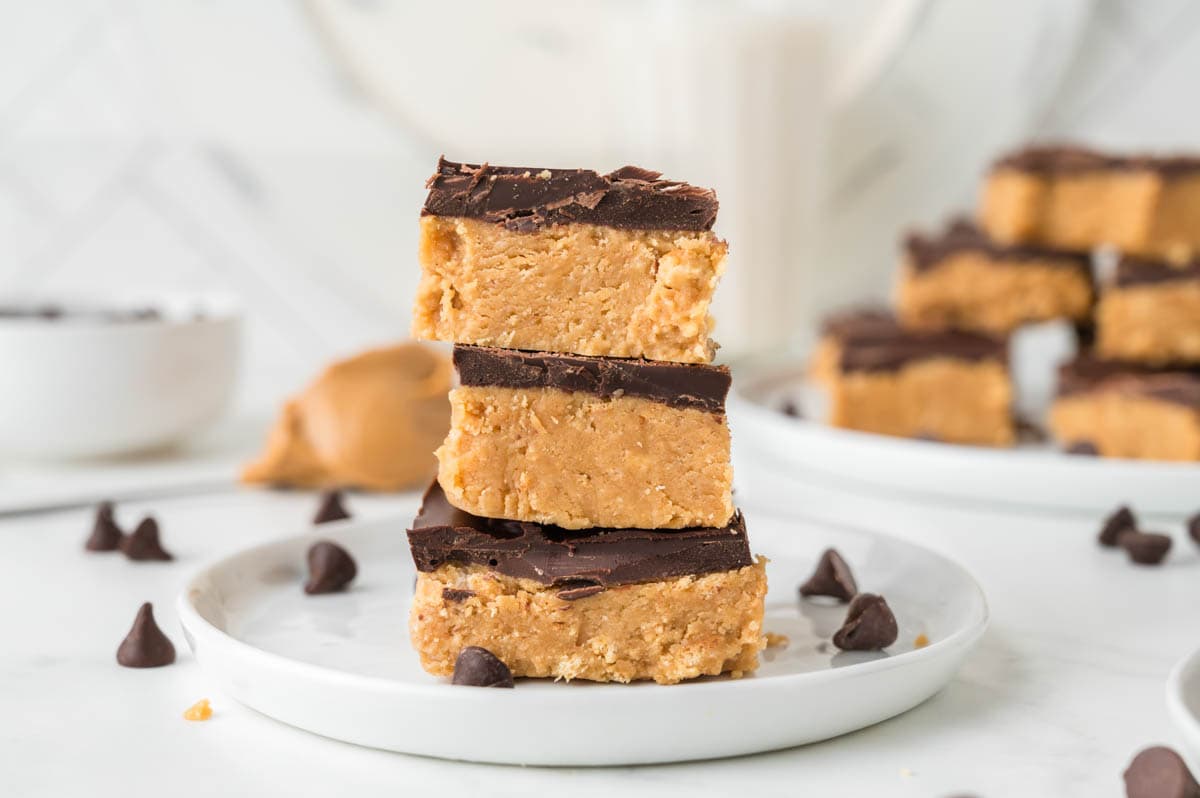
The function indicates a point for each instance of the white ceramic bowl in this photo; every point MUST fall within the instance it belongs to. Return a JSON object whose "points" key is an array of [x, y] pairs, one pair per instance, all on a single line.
{"points": [[80, 386]]}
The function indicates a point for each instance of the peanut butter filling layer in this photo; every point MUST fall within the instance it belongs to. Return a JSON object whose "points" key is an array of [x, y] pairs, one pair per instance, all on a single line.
{"points": [[941, 398], [580, 288], [577, 460]]}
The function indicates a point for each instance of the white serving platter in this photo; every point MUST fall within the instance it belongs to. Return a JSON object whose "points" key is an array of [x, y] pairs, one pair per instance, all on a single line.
{"points": [[341, 665]]}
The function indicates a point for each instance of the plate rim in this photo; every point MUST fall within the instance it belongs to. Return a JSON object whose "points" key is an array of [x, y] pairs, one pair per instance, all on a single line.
{"points": [[197, 627], [1186, 721], [742, 401], [1004, 479]]}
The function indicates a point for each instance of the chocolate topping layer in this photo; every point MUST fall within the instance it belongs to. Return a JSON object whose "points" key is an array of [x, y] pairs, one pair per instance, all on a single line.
{"points": [[1143, 271], [1067, 158], [874, 352], [525, 199], [572, 559], [679, 385], [861, 323], [924, 252], [1086, 374]]}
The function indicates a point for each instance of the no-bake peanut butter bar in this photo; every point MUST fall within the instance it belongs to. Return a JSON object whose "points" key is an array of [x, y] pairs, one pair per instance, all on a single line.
{"points": [[598, 604], [961, 279], [1150, 313], [1075, 199], [587, 442], [568, 260], [949, 386], [1123, 410]]}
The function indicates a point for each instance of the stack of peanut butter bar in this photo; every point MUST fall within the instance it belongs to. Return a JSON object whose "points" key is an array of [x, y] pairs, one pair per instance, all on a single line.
{"points": [[581, 525], [937, 367]]}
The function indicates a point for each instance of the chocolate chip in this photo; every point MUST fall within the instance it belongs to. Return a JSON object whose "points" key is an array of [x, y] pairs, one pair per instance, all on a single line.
{"points": [[1115, 525], [106, 535], [869, 625], [1193, 527], [1159, 772], [831, 578], [143, 544], [1084, 448], [452, 594], [145, 646], [478, 667], [330, 568], [331, 508], [1146, 548], [791, 409]]}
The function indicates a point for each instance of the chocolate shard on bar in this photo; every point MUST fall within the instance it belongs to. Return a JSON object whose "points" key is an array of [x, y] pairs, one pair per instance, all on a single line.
{"points": [[573, 559], [677, 385], [880, 353], [527, 198]]}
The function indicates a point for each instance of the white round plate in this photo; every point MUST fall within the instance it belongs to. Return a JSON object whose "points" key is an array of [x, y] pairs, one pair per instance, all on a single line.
{"points": [[341, 665], [1183, 702], [1034, 474]]}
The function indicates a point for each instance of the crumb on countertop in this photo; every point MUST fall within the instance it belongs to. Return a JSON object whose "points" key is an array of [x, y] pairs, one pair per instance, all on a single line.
{"points": [[201, 710]]}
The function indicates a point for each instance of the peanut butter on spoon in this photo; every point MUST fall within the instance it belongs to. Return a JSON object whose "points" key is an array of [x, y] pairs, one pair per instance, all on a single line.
{"points": [[371, 421]]}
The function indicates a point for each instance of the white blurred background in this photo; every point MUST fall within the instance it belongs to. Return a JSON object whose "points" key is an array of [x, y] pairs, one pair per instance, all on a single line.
{"points": [[278, 149]]}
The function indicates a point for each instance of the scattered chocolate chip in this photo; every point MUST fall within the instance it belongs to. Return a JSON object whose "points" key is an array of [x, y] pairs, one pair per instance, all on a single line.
{"points": [[1115, 525], [331, 508], [791, 409], [1146, 548], [330, 568], [869, 625], [478, 667], [452, 594], [1159, 772], [143, 544], [106, 535], [1193, 527], [1084, 448], [832, 577], [581, 592], [145, 646]]}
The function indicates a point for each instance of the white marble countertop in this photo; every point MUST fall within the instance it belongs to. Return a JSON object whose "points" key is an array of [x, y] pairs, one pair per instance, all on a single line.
{"points": [[1066, 686]]}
